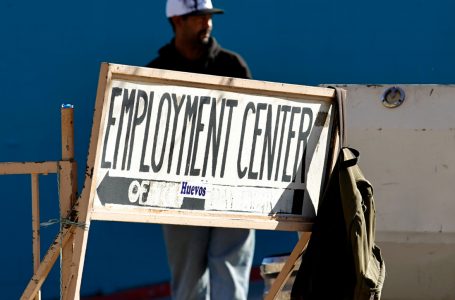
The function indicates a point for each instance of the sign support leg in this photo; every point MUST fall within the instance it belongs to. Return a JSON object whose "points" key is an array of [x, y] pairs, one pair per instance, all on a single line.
{"points": [[288, 266]]}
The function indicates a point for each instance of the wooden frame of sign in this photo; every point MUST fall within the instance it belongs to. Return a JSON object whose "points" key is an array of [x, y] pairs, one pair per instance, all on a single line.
{"points": [[191, 149]]}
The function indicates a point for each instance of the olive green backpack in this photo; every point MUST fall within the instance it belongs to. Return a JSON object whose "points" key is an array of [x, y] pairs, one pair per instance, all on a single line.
{"points": [[342, 261]]}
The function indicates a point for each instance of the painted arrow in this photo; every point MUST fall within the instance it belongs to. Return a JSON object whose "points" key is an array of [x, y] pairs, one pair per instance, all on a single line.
{"points": [[114, 190]]}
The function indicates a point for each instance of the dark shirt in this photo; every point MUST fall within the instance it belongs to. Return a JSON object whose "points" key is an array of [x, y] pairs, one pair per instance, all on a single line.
{"points": [[216, 61]]}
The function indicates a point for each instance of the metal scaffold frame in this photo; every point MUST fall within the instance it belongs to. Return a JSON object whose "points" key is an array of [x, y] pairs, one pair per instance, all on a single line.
{"points": [[66, 170]]}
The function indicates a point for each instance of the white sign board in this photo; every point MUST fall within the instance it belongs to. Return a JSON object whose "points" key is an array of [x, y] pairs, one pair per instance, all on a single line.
{"points": [[188, 148]]}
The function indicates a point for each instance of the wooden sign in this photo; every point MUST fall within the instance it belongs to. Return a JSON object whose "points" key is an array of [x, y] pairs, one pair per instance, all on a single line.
{"points": [[194, 149]]}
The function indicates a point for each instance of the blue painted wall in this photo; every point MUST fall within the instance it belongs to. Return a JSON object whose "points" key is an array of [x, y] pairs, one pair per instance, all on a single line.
{"points": [[50, 54]]}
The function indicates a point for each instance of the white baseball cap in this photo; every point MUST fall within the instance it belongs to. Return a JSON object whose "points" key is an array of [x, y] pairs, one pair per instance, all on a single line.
{"points": [[190, 7]]}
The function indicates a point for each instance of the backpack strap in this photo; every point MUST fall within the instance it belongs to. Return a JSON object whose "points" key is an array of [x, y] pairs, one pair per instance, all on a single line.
{"points": [[340, 95], [350, 157]]}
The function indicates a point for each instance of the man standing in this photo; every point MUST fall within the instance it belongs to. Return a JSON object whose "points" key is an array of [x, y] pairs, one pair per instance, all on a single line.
{"points": [[206, 262]]}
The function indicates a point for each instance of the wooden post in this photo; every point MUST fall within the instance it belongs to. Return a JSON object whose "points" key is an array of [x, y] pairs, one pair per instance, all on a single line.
{"points": [[67, 115], [46, 264], [68, 190], [36, 227]]}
